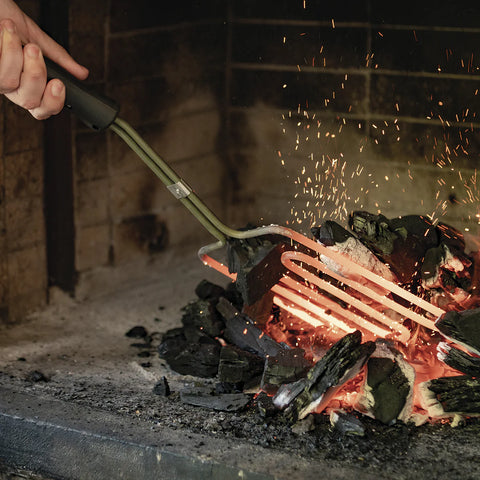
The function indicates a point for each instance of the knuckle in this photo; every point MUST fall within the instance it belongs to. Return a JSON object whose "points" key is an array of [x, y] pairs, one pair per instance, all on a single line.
{"points": [[43, 112], [38, 114], [9, 84], [29, 104], [37, 74]]}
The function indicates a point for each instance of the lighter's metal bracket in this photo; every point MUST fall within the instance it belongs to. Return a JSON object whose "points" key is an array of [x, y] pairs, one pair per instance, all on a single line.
{"points": [[179, 189]]}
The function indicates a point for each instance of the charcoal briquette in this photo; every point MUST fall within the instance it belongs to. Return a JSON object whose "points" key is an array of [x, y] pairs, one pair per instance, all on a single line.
{"points": [[137, 332], [162, 388]]}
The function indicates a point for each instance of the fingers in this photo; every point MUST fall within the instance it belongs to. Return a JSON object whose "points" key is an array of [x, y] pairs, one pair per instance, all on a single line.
{"points": [[23, 75], [52, 101], [40, 98], [32, 81], [11, 57], [54, 51]]}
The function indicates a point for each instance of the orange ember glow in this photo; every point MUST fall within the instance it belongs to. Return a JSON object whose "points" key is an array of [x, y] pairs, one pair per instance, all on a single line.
{"points": [[319, 305]]}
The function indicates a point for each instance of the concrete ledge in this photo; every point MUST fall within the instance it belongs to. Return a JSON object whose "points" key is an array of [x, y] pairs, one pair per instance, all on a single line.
{"points": [[68, 441]]}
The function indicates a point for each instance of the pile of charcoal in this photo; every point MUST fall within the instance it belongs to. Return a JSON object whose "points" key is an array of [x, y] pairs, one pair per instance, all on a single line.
{"points": [[221, 339]]}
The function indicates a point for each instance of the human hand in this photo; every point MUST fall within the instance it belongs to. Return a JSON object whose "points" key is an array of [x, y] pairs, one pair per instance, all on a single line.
{"points": [[23, 74]]}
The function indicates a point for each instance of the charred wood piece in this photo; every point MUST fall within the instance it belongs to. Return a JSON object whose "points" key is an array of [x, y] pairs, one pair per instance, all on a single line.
{"points": [[346, 423], [334, 236], [36, 376], [203, 315], [162, 388], [305, 425], [256, 261], [238, 366], [458, 359], [225, 387], [446, 396], [462, 328], [288, 366], [202, 396], [388, 389], [198, 358], [442, 268], [418, 251], [265, 405], [401, 242], [206, 290], [242, 332], [341, 363]]}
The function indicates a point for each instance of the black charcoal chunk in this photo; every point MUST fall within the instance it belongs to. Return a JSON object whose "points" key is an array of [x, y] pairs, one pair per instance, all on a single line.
{"points": [[331, 233], [226, 387], [137, 332], [341, 363], [162, 388], [265, 406], [198, 359], [389, 388], [234, 296], [305, 425], [346, 423], [201, 314], [242, 332], [256, 261], [288, 392], [401, 242], [36, 376], [206, 290], [334, 236], [141, 345], [462, 328], [288, 366], [442, 268], [458, 359], [452, 395], [207, 398], [238, 366]]}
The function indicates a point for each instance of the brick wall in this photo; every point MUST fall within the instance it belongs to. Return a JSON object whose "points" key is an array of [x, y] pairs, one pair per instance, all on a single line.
{"points": [[354, 105], [166, 69], [23, 275]]}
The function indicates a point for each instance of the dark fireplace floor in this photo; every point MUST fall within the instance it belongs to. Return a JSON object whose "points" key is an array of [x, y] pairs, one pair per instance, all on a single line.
{"points": [[97, 418]]}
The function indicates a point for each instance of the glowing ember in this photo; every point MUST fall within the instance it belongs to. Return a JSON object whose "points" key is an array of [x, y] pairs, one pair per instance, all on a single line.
{"points": [[319, 306]]}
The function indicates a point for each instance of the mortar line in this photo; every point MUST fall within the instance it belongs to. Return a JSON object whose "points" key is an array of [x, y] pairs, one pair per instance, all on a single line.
{"points": [[359, 25], [360, 116], [164, 28], [360, 71]]}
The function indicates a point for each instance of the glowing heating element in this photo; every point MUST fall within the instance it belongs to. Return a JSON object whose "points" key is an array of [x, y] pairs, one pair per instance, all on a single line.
{"points": [[317, 304], [311, 305]]}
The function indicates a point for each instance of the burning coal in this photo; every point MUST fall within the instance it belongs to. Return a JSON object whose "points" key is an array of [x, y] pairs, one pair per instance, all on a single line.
{"points": [[380, 319]]}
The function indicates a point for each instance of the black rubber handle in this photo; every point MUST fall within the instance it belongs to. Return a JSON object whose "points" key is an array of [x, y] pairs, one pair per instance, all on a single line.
{"points": [[95, 110]]}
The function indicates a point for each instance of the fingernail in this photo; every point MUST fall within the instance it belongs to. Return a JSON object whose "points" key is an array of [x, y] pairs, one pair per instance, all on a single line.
{"points": [[9, 26], [33, 51], [57, 89]]}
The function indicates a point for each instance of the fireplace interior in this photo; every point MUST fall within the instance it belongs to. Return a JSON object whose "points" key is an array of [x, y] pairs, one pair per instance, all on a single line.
{"points": [[313, 116]]}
